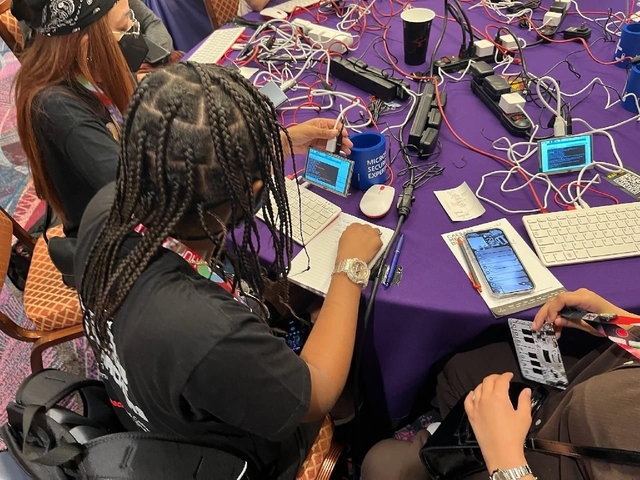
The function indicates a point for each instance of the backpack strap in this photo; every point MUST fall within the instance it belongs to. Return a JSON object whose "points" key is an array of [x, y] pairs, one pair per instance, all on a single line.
{"points": [[608, 455]]}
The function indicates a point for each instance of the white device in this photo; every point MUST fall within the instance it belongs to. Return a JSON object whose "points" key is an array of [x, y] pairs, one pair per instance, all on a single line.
{"points": [[215, 47], [552, 19], [274, 12], [509, 42], [586, 235], [484, 47], [310, 213], [291, 5], [511, 103], [377, 201], [329, 38]]}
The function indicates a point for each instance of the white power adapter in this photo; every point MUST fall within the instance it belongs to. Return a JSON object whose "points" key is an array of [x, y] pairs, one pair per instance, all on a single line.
{"points": [[509, 42], [334, 40], [484, 48], [511, 103], [552, 19]]}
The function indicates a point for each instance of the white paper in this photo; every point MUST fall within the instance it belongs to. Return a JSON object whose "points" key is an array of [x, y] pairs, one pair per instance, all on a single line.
{"points": [[460, 203], [248, 72], [546, 284], [322, 252]]}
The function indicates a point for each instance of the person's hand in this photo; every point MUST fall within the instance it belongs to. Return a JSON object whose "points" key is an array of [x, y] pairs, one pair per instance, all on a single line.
{"points": [[359, 241], [583, 299], [315, 133], [499, 428]]}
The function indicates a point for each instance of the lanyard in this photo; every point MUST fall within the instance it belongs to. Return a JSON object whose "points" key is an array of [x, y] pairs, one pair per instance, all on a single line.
{"points": [[608, 325], [115, 114], [197, 263]]}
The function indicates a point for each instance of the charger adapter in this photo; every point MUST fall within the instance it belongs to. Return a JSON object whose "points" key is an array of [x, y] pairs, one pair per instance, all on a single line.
{"points": [[552, 19], [511, 103], [577, 32], [483, 48], [509, 42]]}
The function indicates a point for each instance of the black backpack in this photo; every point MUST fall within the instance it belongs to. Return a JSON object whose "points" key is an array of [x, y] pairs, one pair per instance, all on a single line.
{"points": [[52, 442]]}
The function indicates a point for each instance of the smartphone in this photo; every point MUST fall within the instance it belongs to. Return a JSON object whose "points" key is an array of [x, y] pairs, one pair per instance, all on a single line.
{"points": [[156, 52], [499, 263]]}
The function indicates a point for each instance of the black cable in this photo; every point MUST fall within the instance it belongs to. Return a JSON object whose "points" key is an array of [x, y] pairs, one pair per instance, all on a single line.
{"points": [[440, 38]]}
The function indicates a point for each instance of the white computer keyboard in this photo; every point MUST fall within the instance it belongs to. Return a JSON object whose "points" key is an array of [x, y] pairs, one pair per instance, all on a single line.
{"points": [[317, 213], [218, 43], [586, 235], [291, 5]]}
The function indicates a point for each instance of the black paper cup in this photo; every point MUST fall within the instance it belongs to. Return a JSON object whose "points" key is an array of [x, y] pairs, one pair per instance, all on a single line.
{"points": [[416, 26]]}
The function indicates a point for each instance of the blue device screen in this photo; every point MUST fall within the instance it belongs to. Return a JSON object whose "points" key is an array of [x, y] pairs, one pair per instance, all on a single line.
{"points": [[498, 262], [565, 154], [329, 171]]}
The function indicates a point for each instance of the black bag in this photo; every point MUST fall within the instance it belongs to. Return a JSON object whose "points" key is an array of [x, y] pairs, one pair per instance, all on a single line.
{"points": [[452, 452], [52, 442]]}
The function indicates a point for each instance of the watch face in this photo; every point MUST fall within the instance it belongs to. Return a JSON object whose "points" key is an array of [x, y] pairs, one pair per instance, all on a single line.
{"points": [[499, 476], [360, 271]]}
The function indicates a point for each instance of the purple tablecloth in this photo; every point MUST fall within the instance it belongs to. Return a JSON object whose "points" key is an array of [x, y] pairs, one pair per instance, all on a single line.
{"points": [[186, 20], [435, 310]]}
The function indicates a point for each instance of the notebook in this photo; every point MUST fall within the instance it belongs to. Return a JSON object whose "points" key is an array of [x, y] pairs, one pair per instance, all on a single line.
{"points": [[314, 273]]}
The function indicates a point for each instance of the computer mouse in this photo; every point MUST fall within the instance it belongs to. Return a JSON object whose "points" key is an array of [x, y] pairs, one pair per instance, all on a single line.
{"points": [[273, 12], [377, 201]]}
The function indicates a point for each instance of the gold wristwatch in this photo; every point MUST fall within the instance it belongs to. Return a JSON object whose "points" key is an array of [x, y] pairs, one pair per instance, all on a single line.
{"points": [[357, 271]]}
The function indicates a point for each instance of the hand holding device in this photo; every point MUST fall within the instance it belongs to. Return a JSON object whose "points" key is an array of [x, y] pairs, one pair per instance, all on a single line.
{"points": [[583, 299], [499, 428], [315, 133], [359, 241]]}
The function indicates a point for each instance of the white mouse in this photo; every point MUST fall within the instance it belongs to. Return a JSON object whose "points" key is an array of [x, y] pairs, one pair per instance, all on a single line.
{"points": [[377, 201], [273, 12]]}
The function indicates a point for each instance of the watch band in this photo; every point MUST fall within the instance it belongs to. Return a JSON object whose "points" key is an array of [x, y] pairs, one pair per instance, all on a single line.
{"points": [[512, 473]]}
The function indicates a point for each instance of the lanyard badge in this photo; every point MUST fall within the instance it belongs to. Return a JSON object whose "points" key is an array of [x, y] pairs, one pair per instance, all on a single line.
{"points": [[609, 325], [115, 114]]}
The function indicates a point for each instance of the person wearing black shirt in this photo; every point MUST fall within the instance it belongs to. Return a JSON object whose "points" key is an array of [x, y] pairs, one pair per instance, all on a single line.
{"points": [[182, 346]]}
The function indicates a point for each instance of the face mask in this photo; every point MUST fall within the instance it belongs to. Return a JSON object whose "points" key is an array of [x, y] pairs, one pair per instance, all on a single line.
{"points": [[135, 49]]}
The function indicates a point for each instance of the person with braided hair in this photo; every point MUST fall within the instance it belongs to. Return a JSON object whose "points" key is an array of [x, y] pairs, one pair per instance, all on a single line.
{"points": [[184, 348], [74, 81]]}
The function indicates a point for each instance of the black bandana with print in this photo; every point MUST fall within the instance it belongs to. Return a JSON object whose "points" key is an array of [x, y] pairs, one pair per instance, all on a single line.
{"points": [[60, 17]]}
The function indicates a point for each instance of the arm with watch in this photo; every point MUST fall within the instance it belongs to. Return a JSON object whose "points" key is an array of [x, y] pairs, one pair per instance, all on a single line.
{"points": [[499, 428], [329, 347]]}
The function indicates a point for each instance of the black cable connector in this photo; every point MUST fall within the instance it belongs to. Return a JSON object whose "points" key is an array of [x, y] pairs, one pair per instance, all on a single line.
{"points": [[577, 32]]}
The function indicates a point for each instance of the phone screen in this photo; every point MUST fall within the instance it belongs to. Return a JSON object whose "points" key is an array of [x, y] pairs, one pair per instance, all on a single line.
{"points": [[498, 262]]}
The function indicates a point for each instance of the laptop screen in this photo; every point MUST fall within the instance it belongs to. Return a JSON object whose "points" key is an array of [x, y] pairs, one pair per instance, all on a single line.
{"points": [[329, 171], [565, 154]]}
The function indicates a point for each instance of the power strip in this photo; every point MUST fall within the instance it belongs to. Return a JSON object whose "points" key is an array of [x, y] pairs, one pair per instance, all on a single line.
{"points": [[456, 64], [369, 79], [559, 9], [330, 38], [517, 124]]}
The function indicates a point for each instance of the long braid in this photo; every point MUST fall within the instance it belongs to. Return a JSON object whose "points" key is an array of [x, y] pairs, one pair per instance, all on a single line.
{"points": [[194, 137]]}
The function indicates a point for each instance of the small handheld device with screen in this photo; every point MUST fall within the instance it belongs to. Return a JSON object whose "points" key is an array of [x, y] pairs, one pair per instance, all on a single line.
{"points": [[565, 154], [498, 262], [329, 171]]}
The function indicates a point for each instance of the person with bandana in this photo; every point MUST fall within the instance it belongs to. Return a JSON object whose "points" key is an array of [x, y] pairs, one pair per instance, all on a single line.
{"points": [[71, 90]]}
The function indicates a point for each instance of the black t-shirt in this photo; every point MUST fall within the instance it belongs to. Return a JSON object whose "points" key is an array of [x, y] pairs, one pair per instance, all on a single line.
{"points": [[192, 361], [80, 153]]}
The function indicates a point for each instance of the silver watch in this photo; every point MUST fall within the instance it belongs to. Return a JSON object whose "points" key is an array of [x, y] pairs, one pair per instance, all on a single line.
{"points": [[356, 270], [512, 473]]}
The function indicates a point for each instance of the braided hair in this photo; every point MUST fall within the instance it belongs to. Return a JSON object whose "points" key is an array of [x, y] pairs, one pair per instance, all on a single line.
{"points": [[195, 136]]}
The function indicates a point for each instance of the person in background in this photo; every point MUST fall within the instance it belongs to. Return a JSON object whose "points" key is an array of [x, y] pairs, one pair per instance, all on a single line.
{"points": [[247, 6], [74, 82], [184, 348], [598, 408]]}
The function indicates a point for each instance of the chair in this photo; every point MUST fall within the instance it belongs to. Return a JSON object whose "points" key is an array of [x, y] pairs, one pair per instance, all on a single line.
{"points": [[323, 456], [51, 306], [221, 11], [9, 28]]}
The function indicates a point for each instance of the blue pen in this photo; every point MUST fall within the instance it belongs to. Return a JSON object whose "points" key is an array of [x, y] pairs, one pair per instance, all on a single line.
{"points": [[394, 261]]}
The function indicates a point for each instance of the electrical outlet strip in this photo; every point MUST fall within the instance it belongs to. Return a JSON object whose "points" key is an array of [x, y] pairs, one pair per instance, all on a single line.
{"points": [[330, 38], [517, 124]]}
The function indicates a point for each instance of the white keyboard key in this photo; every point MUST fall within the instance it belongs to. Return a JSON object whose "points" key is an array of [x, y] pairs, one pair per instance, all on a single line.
{"points": [[612, 250]]}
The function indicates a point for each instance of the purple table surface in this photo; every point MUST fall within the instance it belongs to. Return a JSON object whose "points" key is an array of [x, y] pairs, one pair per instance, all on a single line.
{"points": [[435, 310], [187, 21]]}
